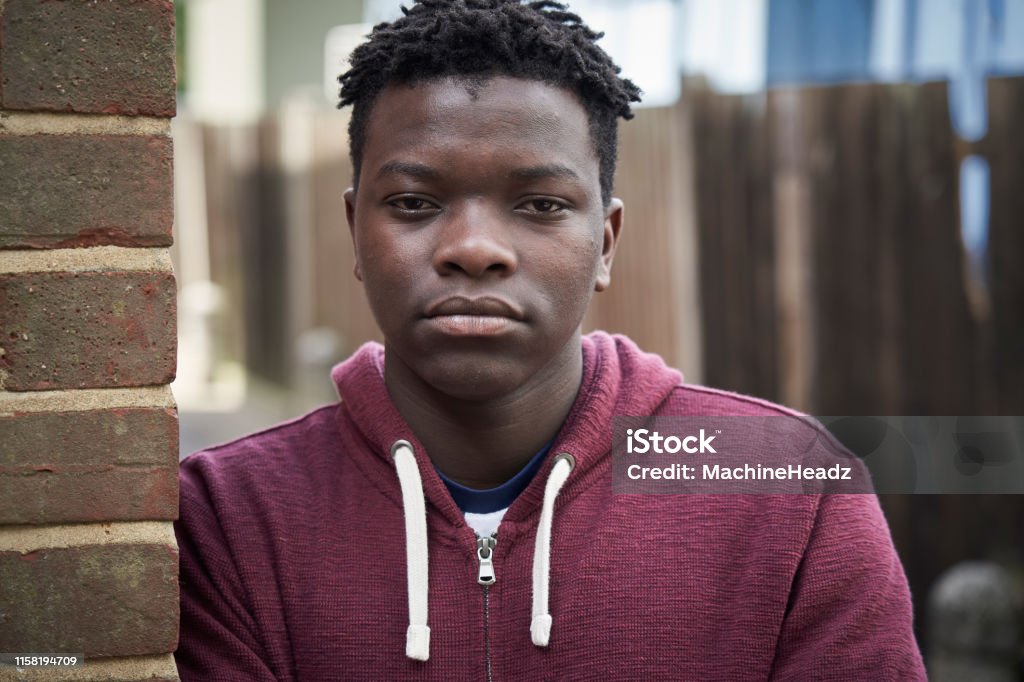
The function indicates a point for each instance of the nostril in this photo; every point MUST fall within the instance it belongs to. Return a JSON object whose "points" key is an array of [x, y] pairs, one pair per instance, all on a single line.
{"points": [[473, 270], [474, 253]]}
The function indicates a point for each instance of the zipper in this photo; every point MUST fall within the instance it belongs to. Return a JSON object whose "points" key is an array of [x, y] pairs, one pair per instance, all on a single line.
{"points": [[485, 577], [485, 553]]}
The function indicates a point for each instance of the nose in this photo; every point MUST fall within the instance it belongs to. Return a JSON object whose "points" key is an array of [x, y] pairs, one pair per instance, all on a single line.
{"points": [[475, 241]]}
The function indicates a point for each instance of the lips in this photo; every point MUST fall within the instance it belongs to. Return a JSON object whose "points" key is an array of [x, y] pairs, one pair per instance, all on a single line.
{"points": [[484, 306], [465, 316]]}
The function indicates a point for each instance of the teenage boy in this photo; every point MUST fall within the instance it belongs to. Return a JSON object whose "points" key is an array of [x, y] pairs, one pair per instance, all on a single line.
{"points": [[451, 517]]}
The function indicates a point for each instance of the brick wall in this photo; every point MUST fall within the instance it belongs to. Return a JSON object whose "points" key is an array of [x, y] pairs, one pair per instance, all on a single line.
{"points": [[88, 426]]}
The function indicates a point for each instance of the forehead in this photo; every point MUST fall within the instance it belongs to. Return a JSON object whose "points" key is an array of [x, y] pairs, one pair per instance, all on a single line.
{"points": [[508, 118]]}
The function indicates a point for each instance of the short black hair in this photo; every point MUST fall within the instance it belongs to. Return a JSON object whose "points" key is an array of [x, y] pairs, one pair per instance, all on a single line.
{"points": [[483, 38]]}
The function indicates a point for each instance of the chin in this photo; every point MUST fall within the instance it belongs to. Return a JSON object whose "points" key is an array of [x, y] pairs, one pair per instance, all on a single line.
{"points": [[465, 378]]}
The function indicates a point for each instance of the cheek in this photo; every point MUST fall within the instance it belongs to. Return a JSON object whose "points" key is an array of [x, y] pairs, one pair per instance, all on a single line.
{"points": [[384, 254], [387, 276], [570, 273]]}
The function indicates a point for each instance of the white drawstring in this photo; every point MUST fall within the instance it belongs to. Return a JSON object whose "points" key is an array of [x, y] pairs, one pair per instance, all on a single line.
{"points": [[417, 636], [540, 624]]}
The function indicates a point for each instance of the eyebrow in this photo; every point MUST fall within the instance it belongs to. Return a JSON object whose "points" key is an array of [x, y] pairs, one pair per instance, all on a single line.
{"points": [[419, 170], [416, 170], [554, 170]]}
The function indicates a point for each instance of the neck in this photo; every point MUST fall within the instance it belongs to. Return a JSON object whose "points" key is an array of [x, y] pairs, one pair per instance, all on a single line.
{"points": [[482, 444]]}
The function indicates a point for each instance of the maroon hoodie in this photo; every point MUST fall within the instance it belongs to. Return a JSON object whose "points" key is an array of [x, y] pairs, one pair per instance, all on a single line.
{"points": [[294, 558]]}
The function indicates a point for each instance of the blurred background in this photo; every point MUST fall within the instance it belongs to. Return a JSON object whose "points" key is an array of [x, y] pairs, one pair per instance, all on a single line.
{"points": [[824, 208]]}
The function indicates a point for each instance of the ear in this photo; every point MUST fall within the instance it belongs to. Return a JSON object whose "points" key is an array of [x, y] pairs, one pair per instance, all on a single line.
{"points": [[612, 231], [350, 216]]}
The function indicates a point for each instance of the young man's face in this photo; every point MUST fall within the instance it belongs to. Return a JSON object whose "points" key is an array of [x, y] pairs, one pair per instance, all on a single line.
{"points": [[479, 231]]}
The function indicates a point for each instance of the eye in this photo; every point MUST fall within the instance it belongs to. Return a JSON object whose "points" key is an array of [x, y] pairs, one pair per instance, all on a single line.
{"points": [[411, 205], [543, 206]]}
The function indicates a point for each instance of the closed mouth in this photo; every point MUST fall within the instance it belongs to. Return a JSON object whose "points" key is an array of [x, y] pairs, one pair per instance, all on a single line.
{"points": [[483, 306]]}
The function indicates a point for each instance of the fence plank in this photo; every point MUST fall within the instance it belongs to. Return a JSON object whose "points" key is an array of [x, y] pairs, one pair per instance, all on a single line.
{"points": [[1005, 153]]}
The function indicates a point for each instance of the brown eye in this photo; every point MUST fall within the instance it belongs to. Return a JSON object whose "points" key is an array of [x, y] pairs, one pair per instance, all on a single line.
{"points": [[411, 204], [544, 206]]}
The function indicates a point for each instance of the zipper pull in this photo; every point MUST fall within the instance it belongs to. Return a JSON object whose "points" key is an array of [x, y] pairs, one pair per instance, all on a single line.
{"points": [[485, 553]]}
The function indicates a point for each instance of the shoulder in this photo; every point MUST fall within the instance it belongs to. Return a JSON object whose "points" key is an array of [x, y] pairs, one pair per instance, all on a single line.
{"points": [[280, 439], [693, 399], [761, 435], [284, 455], [830, 521]]}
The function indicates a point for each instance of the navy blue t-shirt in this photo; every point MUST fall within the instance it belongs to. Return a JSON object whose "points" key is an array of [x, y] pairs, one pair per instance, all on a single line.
{"points": [[475, 501]]}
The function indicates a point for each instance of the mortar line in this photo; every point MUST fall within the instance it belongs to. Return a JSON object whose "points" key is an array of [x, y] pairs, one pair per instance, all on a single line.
{"points": [[57, 123], [91, 259], [81, 400], [26, 538], [119, 669]]}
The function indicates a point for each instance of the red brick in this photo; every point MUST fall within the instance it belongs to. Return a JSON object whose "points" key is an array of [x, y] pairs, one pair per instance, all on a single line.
{"points": [[106, 56], [86, 329], [71, 494], [85, 190], [100, 600], [96, 465], [125, 436]]}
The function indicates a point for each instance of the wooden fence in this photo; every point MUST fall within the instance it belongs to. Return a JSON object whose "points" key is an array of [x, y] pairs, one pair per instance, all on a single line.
{"points": [[832, 269]]}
